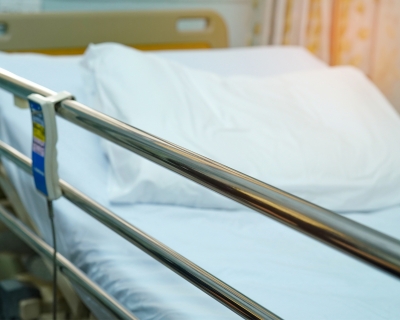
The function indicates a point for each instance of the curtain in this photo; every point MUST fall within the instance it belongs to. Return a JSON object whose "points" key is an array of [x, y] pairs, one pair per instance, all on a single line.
{"points": [[362, 33]]}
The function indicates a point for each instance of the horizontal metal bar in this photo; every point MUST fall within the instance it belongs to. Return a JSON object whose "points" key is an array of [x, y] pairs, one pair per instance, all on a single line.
{"points": [[66, 267], [214, 287], [337, 231], [20, 86]]}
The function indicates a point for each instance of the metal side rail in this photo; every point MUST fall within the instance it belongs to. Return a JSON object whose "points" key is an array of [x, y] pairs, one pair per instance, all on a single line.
{"points": [[339, 232], [115, 310], [211, 285]]}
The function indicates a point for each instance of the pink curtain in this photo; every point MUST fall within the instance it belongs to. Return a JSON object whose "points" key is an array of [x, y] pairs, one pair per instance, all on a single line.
{"points": [[362, 33]]}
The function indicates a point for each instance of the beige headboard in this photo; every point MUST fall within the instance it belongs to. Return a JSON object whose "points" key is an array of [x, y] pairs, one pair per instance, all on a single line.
{"points": [[71, 32]]}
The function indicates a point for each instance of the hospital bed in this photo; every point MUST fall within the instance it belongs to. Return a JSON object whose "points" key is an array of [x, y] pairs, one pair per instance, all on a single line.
{"points": [[254, 254]]}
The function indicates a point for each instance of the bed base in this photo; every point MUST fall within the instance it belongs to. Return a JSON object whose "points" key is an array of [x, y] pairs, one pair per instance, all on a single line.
{"points": [[361, 242], [116, 311], [10, 201]]}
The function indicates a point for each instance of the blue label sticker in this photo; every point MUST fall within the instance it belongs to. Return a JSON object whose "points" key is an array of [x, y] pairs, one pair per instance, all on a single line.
{"points": [[38, 147]]}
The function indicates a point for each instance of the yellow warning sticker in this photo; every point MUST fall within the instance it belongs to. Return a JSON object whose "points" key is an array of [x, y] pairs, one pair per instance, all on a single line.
{"points": [[38, 131]]}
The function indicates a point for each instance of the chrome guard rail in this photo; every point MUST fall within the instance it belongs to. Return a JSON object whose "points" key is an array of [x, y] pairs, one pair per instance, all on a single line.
{"points": [[339, 232], [214, 287]]}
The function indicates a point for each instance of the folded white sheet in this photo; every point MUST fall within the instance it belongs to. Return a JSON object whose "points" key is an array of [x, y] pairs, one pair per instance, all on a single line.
{"points": [[328, 136]]}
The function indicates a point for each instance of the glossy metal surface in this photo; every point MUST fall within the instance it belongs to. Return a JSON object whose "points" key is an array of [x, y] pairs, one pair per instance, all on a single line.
{"points": [[214, 287], [339, 232], [115, 310], [20, 86]]}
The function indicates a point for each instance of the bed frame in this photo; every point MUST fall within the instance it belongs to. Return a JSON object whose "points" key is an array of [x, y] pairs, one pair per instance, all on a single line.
{"points": [[358, 241], [337, 231]]}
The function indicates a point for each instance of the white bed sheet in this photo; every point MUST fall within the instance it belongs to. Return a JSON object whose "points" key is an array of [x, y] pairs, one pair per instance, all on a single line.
{"points": [[288, 273]]}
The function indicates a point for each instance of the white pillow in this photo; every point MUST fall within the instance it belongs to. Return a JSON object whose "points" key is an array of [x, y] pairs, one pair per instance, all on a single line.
{"points": [[328, 136]]}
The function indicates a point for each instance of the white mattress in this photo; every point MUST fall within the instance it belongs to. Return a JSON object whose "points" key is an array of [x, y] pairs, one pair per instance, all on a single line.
{"points": [[288, 273]]}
